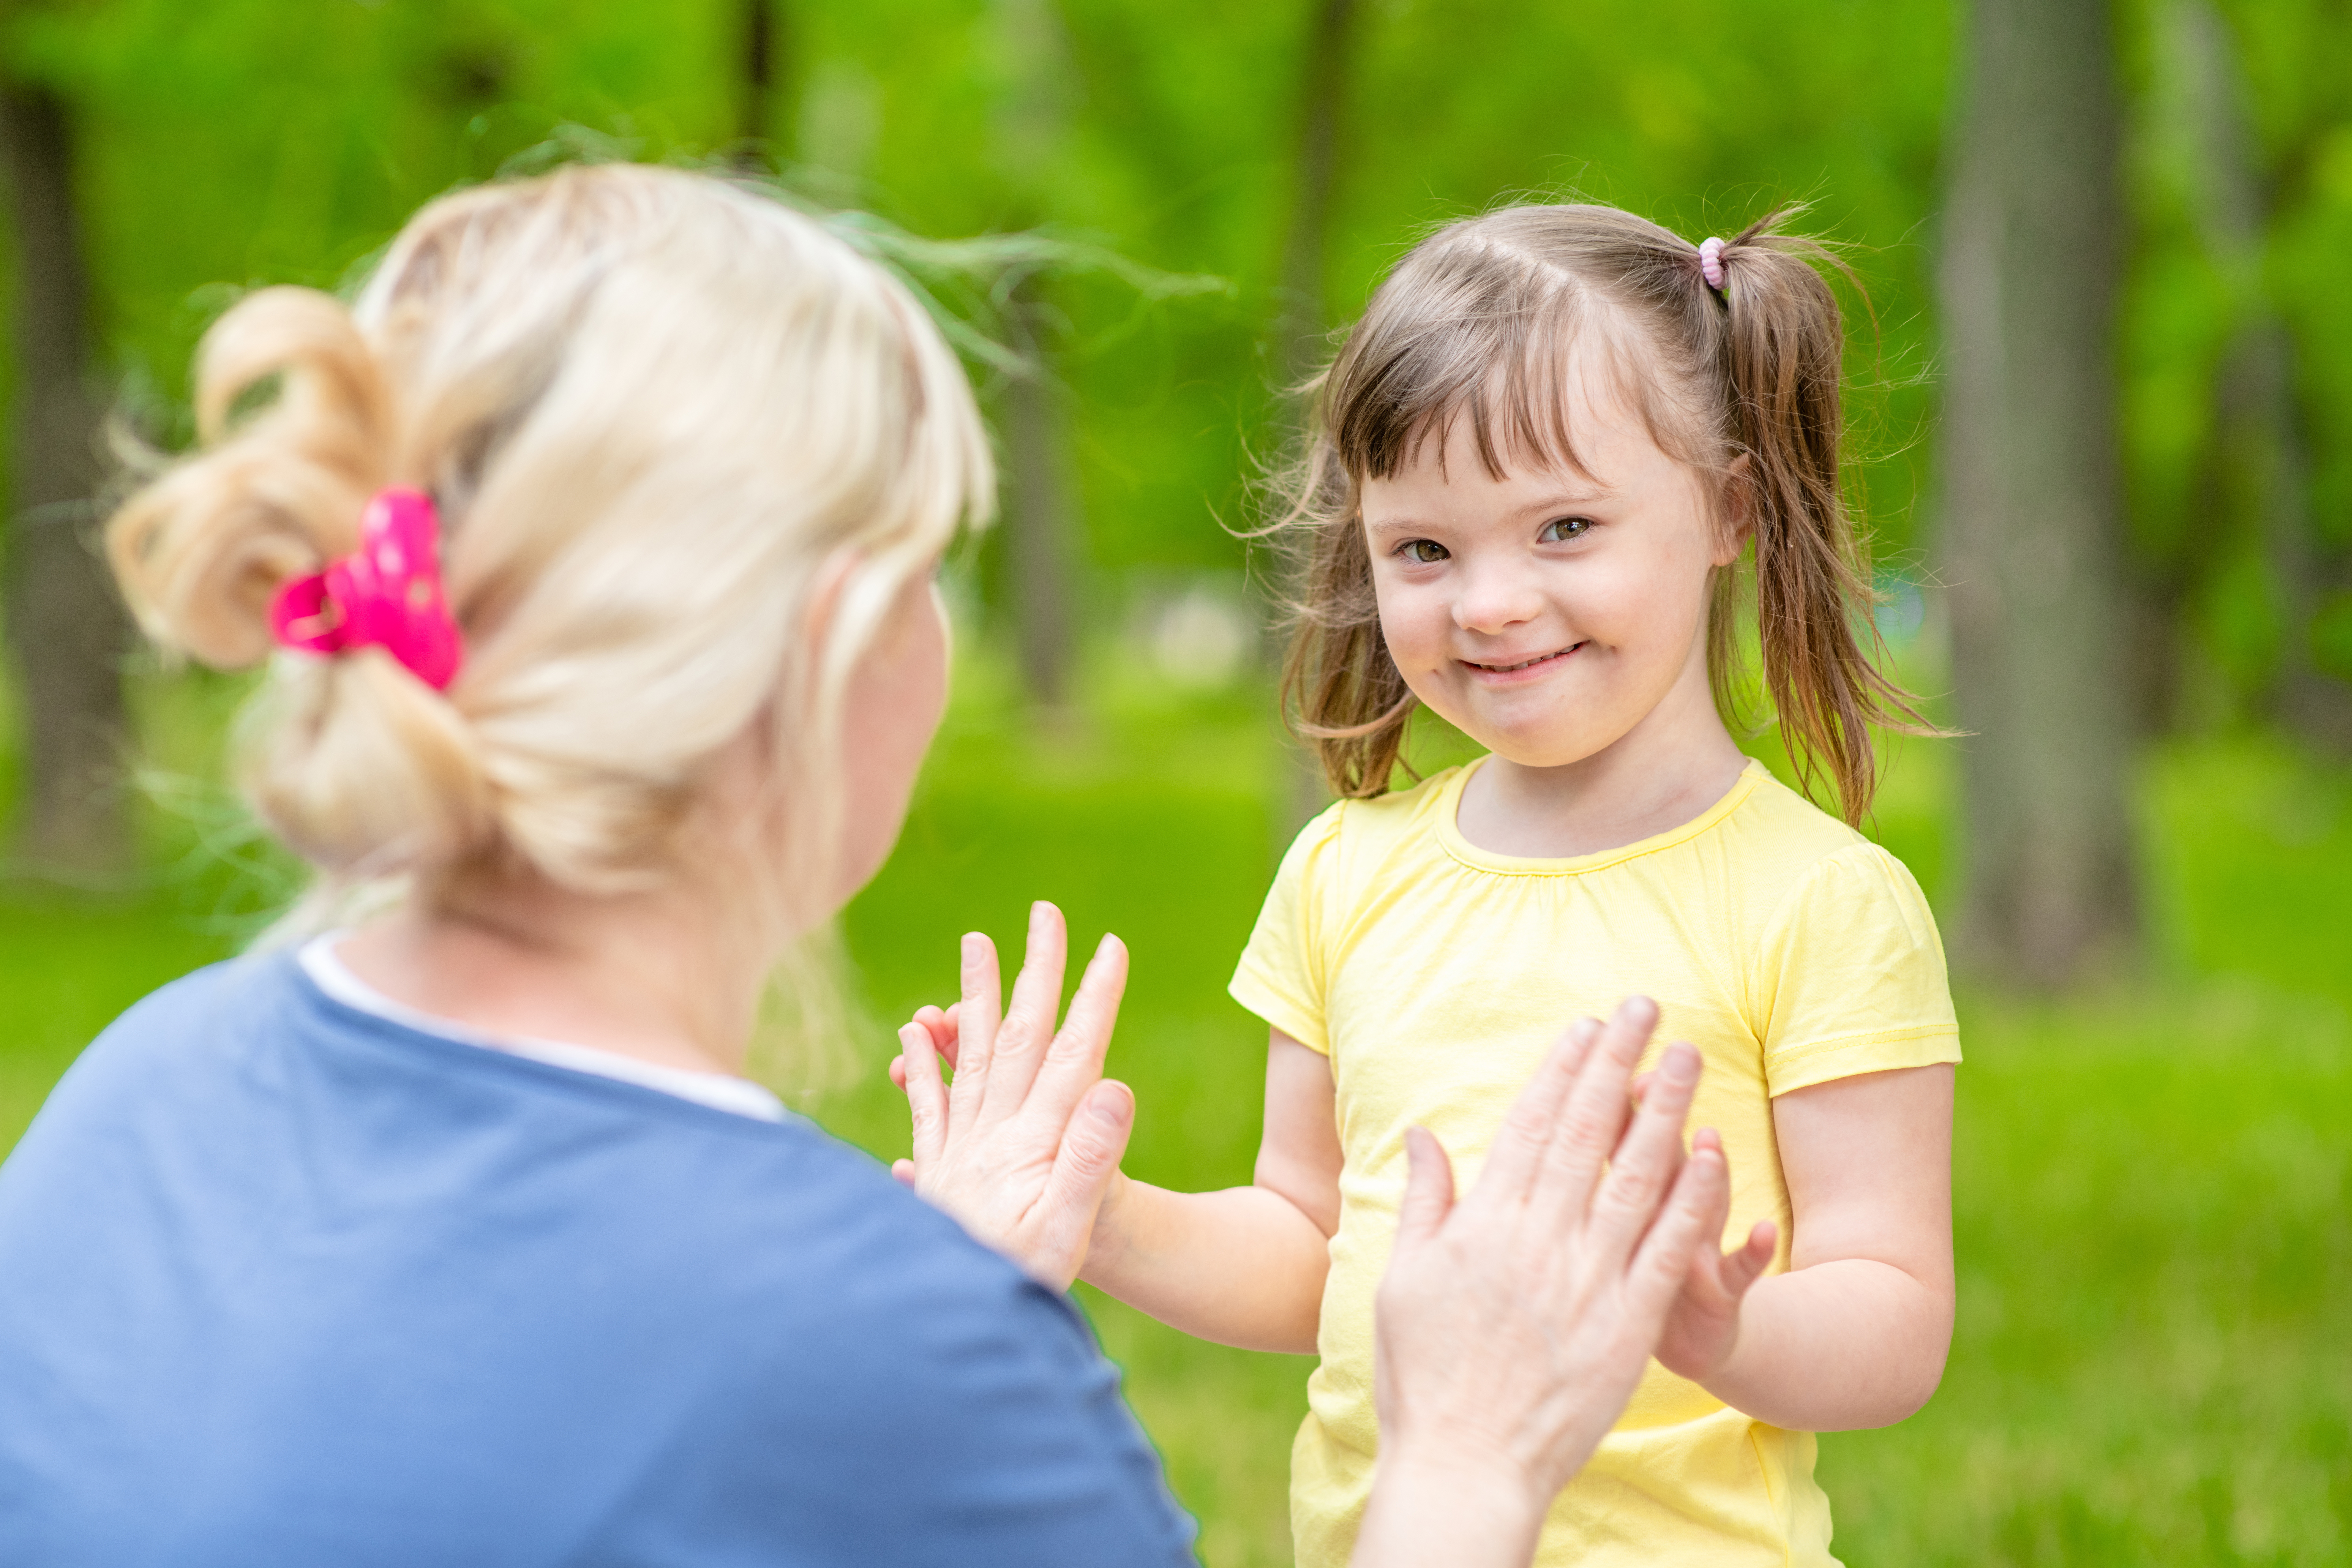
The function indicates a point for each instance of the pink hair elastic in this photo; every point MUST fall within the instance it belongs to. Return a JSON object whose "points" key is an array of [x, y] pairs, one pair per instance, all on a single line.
{"points": [[1711, 262], [386, 594]]}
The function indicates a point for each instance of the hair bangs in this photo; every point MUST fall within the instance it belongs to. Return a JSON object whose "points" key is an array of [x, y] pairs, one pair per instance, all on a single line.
{"points": [[1524, 367]]}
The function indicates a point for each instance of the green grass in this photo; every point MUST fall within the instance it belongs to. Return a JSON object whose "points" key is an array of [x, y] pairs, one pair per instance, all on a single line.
{"points": [[2152, 1184]]}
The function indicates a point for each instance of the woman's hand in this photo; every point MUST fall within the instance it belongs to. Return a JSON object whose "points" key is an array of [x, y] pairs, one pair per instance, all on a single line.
{"points": [[1022, 1146], [1513, 1325]]}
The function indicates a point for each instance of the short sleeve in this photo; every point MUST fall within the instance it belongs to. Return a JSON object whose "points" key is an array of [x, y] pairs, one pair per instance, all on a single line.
{"points": [[1851, 975], [1281, 975]]}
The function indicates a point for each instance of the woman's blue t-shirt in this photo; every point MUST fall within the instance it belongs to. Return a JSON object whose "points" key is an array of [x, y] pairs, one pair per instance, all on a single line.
{"points": [[282, 1282]]}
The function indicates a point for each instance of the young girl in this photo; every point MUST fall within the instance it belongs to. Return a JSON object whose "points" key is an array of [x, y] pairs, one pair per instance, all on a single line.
{"points": [[1541, 457]]}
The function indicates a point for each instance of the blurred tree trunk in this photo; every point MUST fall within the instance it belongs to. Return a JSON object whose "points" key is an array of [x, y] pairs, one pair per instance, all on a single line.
{"points": [[1035, 454], [1041, 524], [2264, 467], [2032, 525], [1299, 330], [1323, 80], [765, 124], [65, 627]]}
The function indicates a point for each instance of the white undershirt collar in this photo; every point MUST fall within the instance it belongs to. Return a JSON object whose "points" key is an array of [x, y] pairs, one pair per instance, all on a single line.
{"points": [[741, 1096]]}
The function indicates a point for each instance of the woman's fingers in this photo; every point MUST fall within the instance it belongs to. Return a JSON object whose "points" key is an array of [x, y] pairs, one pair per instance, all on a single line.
{"points": [[1028, 1026], [1428, 1189], [1586, 1132], [1092, 1146], [1517, 1154], [927, 1096], [1642, 1167], [976, 1019], [1072, 1061], [1693, 1218]]}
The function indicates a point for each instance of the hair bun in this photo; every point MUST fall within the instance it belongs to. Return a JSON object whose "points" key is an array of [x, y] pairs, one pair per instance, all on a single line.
{"points": [[200, 553], [362, 767]]}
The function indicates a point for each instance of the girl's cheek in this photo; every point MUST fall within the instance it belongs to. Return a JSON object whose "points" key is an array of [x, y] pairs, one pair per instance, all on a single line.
{"points": [[1413, 626]]}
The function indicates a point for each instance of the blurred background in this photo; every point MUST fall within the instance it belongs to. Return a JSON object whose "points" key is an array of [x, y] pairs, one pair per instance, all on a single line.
{"points": [[2102, 401]]}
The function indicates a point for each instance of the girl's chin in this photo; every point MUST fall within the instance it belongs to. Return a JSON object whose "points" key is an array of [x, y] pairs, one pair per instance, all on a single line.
{"points": [[1526, 729], [1526, 750]]}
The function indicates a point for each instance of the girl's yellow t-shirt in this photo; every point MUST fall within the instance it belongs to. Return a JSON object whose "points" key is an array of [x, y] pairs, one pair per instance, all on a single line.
{"points": [[1784, 945]]}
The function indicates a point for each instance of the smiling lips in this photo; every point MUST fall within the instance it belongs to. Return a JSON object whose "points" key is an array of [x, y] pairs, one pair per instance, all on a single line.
{"points": [[1525, 664]]}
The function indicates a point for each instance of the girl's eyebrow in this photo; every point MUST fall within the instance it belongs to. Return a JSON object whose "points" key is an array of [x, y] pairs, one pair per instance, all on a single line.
{"points": [[1597, 495], [1548, 505]]}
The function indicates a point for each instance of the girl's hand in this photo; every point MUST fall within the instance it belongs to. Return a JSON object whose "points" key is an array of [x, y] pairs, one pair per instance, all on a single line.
{"points": [[1703, 1330], [1513, 1325], [1021, 1147], [945, 1039]]}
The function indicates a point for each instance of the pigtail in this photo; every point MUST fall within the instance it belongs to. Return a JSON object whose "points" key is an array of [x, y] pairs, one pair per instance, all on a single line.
{"points": [[1782, 360]]}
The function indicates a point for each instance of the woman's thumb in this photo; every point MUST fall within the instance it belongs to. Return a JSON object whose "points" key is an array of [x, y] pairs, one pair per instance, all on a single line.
{"points": [[1428, 1187]]}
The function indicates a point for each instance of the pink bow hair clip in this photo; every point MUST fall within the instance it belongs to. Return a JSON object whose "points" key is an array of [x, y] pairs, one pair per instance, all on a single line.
{"points": [[386, 594]]}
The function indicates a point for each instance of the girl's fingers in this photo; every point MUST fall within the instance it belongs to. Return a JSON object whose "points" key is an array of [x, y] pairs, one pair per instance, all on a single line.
{"points": [[1518, 1149], [976, 1021], [942, 1027], [904, 1172], [927, 1096], [1586, 1132], [897, 1071], [1428, 1189], [1692, 1218], [1074, 1061], [1744, 1267], [1092, 1146], [1028, 1026], [1644, 1165]]}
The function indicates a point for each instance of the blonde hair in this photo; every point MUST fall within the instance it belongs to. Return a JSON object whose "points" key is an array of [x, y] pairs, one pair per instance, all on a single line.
{"points": [[650, 405], [1475, 324]]}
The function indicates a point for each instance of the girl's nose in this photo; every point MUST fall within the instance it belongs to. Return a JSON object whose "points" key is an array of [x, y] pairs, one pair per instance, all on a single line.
{"points": [[1494, 600]]}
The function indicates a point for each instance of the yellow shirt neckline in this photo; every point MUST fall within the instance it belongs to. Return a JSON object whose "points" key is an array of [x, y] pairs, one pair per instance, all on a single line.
{"points": [[1449, 831]]}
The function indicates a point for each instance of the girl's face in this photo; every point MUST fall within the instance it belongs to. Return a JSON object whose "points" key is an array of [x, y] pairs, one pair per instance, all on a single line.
{"points": [[1548, 614], [892, 709]]}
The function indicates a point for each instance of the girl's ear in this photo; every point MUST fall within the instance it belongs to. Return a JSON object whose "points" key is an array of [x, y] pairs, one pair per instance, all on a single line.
{"points": [[1739, 509]]}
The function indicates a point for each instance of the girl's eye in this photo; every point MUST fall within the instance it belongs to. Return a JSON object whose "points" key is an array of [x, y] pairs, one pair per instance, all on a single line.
{"points": [[1561, 529], [1426, 550]]}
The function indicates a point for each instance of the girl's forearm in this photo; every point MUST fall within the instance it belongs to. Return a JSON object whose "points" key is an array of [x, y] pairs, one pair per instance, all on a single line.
{"points": [[1839, 1346], [1242, 1266]]}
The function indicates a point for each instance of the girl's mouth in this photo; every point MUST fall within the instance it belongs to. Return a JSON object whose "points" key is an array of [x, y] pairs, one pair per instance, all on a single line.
{"points": [[1525, 665]]}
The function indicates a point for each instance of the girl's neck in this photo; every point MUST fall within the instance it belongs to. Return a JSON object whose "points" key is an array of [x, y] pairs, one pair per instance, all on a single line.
{"points": [[1666, 771]]}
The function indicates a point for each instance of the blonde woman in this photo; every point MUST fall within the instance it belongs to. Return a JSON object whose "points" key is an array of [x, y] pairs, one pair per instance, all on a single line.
{"points": [[591, 553]]}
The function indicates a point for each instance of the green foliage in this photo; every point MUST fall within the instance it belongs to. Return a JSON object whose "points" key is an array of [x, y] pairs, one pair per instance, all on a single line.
{"points": [[253, 142], [256, 140]]}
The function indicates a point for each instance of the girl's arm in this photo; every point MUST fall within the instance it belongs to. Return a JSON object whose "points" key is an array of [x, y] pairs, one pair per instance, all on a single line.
{"points": [[1855, 1333], [1245, 1266]]}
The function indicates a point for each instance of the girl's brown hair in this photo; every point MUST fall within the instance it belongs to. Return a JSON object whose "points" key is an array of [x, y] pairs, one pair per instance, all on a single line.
{"points": [[1475, 323]]}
